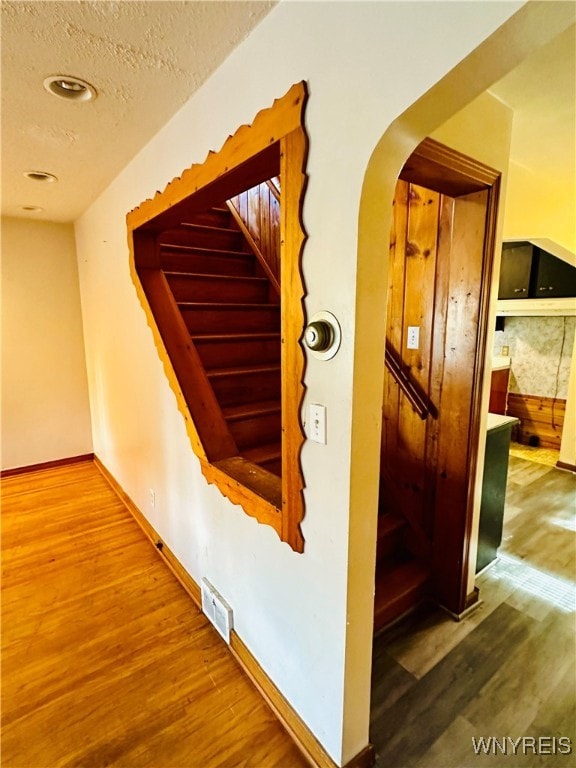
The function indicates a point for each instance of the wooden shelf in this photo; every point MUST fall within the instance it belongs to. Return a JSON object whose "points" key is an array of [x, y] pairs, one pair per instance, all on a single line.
{"points": [[535, 307]]}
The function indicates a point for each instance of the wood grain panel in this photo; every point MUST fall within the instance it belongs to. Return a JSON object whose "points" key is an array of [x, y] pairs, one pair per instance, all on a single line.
{"points": [[541, 419], [394, 331], [456, 430], [428, 467]]}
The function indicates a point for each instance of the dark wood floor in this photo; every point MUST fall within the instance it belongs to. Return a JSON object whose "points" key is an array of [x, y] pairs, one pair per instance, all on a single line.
{"points": [[508, 669]]}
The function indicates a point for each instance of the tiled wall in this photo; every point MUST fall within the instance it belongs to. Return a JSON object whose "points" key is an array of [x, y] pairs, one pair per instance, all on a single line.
{"points": [[541, 351]]}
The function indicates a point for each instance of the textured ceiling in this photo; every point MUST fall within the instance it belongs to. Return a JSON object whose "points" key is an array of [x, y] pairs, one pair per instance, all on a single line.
{"points": [[145, 60]]}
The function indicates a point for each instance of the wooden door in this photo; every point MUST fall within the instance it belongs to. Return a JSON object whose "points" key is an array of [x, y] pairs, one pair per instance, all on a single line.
{"points": [[440, 260]]}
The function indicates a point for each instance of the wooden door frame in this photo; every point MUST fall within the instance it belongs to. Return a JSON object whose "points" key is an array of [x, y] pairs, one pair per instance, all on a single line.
{"points": [[449, 172]]}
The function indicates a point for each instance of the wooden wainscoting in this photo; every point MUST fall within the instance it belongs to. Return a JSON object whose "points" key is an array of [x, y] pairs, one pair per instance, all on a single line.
{"points": [[541, 419]]}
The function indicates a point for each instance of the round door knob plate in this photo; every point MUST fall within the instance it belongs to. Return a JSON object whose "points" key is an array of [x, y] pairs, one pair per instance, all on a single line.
{"points": [[322, 335]]}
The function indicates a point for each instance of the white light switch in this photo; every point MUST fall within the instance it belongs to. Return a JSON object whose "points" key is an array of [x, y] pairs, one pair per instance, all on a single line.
{"points": [[413, 341], [317, 423]]}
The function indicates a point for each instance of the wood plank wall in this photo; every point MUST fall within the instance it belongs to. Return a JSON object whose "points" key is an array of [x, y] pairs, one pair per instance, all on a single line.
{"points": [[259, 209], [541, 419]]}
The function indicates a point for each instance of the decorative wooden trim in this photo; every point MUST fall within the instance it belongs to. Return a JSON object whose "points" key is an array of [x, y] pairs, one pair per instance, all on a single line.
{"points": [[292, 722], [274, 143], [268, 127], [446, 170], [293, 158], [47, 465], [564, 465]]}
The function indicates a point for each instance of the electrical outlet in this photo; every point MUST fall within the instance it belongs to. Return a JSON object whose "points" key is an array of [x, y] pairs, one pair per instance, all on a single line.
{"points": [[152, 498], [317, 423], [216, 609]]}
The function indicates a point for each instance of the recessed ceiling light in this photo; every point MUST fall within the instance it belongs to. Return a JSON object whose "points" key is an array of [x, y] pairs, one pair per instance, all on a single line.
{"points": [[32, 208], [40, 176], [71, 88]]}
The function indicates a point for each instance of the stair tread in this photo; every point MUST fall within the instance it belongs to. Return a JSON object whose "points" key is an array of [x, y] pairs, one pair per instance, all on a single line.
{"points": [[247, 410], [208, 276], [403, 574], [184, 226], [399, 587], [263, 453], [198, 250], [236, 336], [224, 305], [242, 369], [388, 523]]}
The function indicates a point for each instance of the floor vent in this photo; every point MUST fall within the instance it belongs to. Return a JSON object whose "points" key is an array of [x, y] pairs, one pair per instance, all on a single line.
{"points": [[217, 610]]}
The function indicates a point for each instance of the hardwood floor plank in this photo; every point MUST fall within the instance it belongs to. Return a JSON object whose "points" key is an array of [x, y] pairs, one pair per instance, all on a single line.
{"points": [[507, 670], [441, 695], [106, 660]]}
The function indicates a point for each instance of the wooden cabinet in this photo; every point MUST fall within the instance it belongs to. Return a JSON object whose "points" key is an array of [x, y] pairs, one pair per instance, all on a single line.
{"points": [[499, 391], [553, 278], [529, 272], [515, 270]]}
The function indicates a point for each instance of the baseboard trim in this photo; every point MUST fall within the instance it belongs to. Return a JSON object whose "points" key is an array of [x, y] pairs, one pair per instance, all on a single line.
{"points": [[167, 555], [47, 465], [294, 725], [564, 465]]}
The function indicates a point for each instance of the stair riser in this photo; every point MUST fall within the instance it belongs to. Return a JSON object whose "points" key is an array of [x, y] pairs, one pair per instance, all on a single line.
{"points": [[198, 237], [207, 263], [390, 546], [246, 387], [258, 430], [273, 466], [394, 609], [238, 353], [232, 320], [212, 218], [239, 291]]}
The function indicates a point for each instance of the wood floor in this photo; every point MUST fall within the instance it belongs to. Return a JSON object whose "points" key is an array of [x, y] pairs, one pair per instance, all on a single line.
{"points": [[106, 660], [508, 669]]}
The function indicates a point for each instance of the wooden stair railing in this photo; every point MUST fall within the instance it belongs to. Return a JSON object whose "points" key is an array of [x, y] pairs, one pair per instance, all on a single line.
{"points": [[419, 402]]}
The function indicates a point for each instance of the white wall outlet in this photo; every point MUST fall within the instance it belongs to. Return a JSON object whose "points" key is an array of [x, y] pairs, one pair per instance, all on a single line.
{"points": [[413, 340], [152, 498], [317, 423], [216, 610]]}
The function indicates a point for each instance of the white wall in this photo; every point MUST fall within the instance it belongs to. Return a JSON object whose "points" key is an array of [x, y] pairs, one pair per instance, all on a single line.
{"points": [[45, 408], [302, 616]]}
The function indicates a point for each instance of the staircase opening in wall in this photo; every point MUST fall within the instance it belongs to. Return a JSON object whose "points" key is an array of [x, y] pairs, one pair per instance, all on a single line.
{"points": [[215, 260]]}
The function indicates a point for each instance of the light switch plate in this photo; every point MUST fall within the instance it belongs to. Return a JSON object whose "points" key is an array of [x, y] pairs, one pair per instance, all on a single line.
{"points": [[413, 341], [317, 423]]}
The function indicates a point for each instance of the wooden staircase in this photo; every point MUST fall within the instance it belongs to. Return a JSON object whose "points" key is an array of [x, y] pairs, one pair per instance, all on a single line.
{"points": [[401, 579], [232, 314]]}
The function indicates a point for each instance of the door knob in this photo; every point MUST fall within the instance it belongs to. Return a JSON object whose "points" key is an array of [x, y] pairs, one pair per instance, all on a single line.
{"points": [[322, 335]]}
